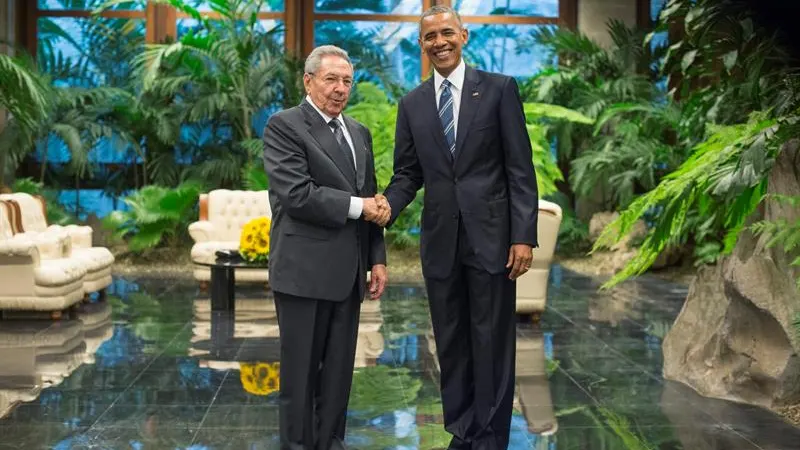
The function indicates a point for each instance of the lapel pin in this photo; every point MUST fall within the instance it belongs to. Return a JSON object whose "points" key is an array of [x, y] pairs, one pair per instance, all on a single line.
{"points": [[475, 94]]}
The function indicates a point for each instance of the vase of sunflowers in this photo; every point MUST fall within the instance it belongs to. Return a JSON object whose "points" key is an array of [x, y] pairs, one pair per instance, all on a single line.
{"points": [[254, 242]]}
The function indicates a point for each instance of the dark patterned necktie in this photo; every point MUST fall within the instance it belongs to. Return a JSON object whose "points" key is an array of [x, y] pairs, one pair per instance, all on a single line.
{"points": [[343, 145], [447, 117]]}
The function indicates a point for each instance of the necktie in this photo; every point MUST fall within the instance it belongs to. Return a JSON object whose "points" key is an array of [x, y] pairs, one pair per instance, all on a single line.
{"points": [[446, 116], [343, 145]]}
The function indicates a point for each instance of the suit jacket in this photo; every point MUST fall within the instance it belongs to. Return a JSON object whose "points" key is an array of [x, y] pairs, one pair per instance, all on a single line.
{"points": [[315, 250], [489, 185]]}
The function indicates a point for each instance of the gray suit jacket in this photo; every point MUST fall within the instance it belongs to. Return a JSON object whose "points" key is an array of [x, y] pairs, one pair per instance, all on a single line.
{"points": [[315, 250]]}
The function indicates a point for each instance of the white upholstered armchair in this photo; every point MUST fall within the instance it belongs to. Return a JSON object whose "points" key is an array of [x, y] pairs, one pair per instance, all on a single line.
{"points": [[532, 286], [223, 214], [97, 261], [37, 272]]}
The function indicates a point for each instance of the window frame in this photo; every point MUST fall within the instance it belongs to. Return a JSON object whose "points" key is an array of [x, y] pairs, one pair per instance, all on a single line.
{"points": [[298, 16]]}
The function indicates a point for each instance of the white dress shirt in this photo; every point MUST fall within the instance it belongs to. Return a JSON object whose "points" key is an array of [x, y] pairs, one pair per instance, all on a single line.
{"points": [[356, 203], [456, 80]]}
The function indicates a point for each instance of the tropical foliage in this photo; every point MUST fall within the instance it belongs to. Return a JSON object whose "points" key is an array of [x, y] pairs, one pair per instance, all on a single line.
{"points": [[157, 215], [743, 114]]}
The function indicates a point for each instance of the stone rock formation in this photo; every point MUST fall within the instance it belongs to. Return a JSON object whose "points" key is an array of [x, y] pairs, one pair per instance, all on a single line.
{"points": [[735, 338]]}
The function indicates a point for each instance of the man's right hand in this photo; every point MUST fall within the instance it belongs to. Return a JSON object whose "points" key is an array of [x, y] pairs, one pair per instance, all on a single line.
{"points": [[377, 210]]}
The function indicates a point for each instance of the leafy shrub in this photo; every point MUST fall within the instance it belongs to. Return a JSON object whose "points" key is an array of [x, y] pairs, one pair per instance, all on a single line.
{"points": [[158, 216]]}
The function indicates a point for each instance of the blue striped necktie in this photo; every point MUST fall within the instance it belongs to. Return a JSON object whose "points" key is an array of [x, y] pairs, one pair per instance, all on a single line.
{"points": [[447, 117]]}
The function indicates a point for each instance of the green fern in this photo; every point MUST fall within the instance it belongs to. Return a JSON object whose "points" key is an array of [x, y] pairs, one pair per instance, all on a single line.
{"points": [[158, 215], [782, 232], [700, 179]]}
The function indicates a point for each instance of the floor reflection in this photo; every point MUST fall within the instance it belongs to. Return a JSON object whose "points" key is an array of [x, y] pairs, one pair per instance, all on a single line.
{"points": [[154, 368]]}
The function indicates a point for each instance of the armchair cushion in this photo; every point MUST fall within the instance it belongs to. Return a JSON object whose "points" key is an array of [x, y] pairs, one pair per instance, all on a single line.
{"points": [[229, 211], [202, 231], [31, 209]]}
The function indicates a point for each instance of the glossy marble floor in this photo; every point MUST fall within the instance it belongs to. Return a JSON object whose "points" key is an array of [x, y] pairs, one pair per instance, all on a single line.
{"points": [[152, 368]]}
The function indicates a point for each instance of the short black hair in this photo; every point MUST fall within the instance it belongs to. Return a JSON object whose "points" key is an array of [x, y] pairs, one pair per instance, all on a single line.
{"points": [[441, 9]]}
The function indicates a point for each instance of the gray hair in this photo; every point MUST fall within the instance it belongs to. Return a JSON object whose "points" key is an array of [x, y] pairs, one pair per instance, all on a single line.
{"points": [[314, 59], [441, 9]]}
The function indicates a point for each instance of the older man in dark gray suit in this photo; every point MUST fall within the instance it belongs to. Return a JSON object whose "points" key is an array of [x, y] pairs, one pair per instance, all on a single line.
{"points": [[324, 239]]}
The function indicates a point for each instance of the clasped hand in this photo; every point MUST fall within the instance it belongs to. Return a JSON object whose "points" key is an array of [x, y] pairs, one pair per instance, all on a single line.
{"points": [[377, 210]]}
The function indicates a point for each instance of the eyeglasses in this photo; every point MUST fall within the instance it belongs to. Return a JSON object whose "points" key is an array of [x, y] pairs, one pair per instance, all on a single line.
{"points": [[332, 80]]}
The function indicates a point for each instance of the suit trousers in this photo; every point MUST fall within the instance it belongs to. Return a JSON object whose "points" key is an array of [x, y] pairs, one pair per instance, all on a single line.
{"points": [[318, 345], [474, 324]]}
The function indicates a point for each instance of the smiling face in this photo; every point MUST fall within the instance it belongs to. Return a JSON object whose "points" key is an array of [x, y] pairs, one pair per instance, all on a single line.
{"points": [[442, 38], [329, 87]]}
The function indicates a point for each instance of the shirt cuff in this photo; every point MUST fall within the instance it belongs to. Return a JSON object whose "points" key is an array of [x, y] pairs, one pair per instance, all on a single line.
{"points": [[356, 206]]}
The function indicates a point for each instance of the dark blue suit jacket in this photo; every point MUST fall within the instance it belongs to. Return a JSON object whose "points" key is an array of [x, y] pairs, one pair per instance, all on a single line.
{"points": [[489, 185]]}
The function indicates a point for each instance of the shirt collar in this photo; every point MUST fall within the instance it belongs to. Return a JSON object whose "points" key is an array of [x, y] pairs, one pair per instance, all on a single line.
{"points": [[325, 117], [456, 77]]}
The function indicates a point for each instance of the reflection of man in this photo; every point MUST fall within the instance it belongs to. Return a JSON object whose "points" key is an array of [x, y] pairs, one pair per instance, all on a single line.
{"points": [[322, 186], [462, 135]]}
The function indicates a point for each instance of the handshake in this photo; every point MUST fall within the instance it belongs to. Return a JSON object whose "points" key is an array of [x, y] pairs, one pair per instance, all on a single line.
{"points": [[377, 209]]}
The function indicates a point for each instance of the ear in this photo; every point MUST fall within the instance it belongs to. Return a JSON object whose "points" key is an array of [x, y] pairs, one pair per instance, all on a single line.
{"points": [[306, 82], [465, 35]]}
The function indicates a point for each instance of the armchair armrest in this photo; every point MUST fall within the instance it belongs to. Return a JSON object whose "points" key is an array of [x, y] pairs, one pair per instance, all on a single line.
{"points": [[81, 235], [50, 245], [20, 246], [202, 231], [52, 230]]}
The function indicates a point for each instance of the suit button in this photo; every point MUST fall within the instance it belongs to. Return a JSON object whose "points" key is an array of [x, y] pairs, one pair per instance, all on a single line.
{"points": [[455, 216]]}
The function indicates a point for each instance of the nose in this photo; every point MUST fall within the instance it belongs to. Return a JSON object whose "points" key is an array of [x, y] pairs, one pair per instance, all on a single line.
{"points": [[439, 41]]}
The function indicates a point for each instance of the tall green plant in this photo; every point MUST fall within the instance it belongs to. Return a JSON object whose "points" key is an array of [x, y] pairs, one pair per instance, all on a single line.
{"points": [[216, 80], [23, 96], [726, 67], [620, 158]]}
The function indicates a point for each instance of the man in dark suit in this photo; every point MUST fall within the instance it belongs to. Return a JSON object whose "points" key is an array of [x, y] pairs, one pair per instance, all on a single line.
{"points": [[461, 134], [323, 241]]}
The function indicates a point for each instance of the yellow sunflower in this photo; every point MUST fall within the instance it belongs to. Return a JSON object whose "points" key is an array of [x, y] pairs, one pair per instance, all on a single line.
{"points": [[254, 241], [260, 378]]}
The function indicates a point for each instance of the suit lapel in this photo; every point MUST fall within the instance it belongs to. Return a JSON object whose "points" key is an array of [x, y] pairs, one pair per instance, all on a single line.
{"points": [[360, 149], [432, 117], [470, 101], [321, 131]]}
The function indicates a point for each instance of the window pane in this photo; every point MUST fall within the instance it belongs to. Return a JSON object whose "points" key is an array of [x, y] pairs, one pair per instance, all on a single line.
{"points": [[88, 53], [89, 4], [94, 52], [506, 49], [267, 5], [539, 8], [383, 52], [275, 27], [369, 6]]}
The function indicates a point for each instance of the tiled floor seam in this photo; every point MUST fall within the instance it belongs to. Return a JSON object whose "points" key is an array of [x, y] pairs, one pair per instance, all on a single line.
{"points": [[171, 342]]}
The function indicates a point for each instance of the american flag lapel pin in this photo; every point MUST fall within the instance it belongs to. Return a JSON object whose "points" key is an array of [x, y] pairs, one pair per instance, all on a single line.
{"points": [[475, 94]]}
